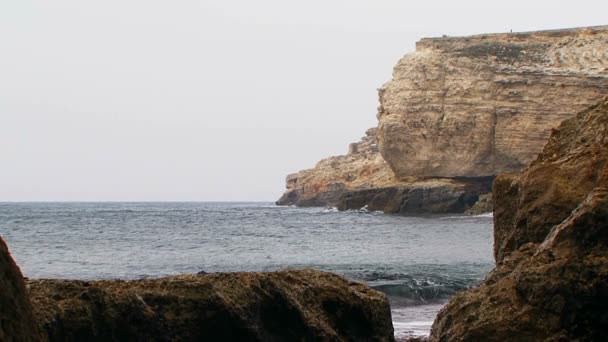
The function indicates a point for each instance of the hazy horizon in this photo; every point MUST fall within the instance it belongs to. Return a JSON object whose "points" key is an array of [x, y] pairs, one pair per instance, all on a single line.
{"points": [[209, 100]]}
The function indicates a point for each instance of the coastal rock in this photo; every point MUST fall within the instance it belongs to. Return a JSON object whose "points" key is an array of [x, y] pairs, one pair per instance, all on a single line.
{"points": [[485, 204], [302, 305], [551, 230], [485, 105], [363, 179], [460, 110], [324, 185], [421, 197], [16, 318]]}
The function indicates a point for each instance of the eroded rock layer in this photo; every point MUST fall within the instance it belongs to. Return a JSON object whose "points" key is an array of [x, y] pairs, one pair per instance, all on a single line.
{"points": [[484, 105], [362, 179], [295, 305], [16, 318], [465, 108], [551, 245]]}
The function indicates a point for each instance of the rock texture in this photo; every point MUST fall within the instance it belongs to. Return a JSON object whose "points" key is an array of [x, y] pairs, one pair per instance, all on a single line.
{"points": [[295, 305], [463, 108], [16, 318], [484, 205], [324, 185], [363, 179], [484, 105], [551, 247]]}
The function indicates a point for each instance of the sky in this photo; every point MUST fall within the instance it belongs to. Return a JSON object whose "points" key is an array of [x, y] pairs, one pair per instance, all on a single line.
{"points": [[184, 100]]}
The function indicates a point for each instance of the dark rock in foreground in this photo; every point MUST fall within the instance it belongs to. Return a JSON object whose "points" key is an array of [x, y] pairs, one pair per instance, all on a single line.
{"points": [[484, 205], [551, 247], [16, 319], [302, 305]]}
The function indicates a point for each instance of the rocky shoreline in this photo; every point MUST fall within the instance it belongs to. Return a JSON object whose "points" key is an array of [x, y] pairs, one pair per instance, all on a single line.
{"points": [[458, 112]]}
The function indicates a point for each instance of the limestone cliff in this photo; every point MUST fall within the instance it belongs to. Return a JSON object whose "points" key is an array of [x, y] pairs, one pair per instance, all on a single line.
{"points": [[362, 167], [16, 318], [294, 305], [457, 112], [484, 105], [363, 179], [551, 247]]}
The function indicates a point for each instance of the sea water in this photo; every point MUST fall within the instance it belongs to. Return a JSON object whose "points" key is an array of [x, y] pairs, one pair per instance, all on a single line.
{"points": [[418, 261]]}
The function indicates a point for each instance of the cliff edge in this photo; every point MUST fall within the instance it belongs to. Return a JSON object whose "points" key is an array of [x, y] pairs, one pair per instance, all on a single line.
{"points": [[457, 112], [551, 247]]}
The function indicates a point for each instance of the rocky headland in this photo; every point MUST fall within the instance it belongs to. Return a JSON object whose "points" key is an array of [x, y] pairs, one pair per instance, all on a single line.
{"points": [[551, 247], [458, 112]]}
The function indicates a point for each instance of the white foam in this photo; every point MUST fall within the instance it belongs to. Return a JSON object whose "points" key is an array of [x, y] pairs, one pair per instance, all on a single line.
{"points": [[414, 321]]}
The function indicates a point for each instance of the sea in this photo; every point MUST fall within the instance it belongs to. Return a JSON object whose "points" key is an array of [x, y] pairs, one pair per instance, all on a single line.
{"points": [[417, 261]]}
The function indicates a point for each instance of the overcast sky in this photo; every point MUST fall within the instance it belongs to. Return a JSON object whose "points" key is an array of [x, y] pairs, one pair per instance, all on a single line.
{"points": [[209, 100]]}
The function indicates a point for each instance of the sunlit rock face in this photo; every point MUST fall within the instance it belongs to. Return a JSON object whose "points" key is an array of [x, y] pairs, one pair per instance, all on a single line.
{"points": [[457, 112], [16, 318], [483, 105]]}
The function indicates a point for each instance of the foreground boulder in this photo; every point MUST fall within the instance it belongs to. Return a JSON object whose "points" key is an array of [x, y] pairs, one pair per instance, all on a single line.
{"points": [[551, 248], [16, 319], [302, 305]]}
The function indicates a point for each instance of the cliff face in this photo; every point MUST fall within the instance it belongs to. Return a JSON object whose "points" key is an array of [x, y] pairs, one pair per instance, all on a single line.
{"points": [[16, 318], [484, 105], [551, 247], [363, 179], [276, 306], [457, 109], [324, 185]]}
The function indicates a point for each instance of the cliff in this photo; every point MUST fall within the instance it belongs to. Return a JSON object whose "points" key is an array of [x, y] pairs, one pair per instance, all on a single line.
{"points": [[363, 179], [551, 247], [457, 112], [484, 105], [302, 305], [16, 318]]}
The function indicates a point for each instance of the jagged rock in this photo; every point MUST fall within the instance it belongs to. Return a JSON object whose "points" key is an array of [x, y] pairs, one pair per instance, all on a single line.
{"points": [[16, 319], [363, 179], [551, 231], [294, 305], [463, 108], [484, 204], [484, 105], [331, 178]]}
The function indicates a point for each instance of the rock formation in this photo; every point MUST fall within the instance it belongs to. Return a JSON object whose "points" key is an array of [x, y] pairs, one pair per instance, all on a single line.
{"points": [[302, 305], [363, 179], [551, 246], [16, 319], [462, 108], [484, 105]]}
